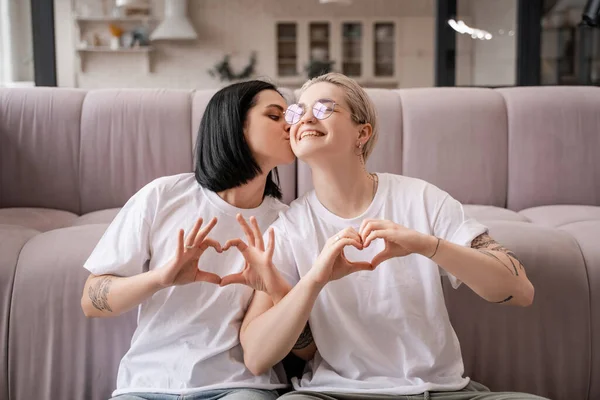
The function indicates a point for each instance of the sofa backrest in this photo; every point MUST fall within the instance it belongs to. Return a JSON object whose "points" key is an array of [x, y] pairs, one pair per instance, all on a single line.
{"points": [[83, 151]]}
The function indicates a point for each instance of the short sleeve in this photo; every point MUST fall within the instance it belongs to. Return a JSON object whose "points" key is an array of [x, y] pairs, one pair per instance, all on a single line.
{"points": [[453, 225], [124, 248], [283, 257]]}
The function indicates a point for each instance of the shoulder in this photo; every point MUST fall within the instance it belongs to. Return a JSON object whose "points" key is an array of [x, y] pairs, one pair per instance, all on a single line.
{"points": [[276, 205], [298, 209], [414, 188], [166, 184]]}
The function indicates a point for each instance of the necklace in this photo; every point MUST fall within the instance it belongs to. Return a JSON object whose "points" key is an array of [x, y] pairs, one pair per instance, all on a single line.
{"points": [[375, 180]]}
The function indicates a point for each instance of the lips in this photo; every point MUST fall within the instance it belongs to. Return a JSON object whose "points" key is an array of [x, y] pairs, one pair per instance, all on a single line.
{"points": [[310, 133]]}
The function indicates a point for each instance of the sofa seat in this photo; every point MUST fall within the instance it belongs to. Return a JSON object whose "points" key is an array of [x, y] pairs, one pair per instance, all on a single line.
{"points": [[491, 213], [39, 219], [50, 329], [97, 217], [560, 215]]}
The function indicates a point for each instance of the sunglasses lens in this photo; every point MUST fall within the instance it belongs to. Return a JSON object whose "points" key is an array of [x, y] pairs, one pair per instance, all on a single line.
{"points": [[293, 114]]}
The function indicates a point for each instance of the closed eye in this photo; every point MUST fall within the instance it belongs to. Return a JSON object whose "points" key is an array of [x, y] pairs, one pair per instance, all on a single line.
{"points": [[275, 117]]}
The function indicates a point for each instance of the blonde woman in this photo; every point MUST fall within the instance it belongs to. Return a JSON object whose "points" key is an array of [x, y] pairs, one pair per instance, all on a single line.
{"points": [[364, 253]]}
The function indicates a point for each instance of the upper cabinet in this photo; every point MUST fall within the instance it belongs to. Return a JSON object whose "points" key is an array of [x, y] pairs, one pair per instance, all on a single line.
{"points": [[352, 49], [287, 49], [385, 49], [364, 49], [319, 34]]}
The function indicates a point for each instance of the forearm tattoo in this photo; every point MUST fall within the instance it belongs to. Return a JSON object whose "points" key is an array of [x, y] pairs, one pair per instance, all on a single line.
{"points": [[486, 245], [305, 339], [99, 294]]}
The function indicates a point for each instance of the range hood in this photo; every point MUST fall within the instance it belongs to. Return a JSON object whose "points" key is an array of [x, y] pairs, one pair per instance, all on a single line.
{"points": [[176, 24]]}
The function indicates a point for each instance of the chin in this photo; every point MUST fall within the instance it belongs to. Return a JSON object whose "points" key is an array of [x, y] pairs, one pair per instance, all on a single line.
{"points": [[309, 148]]}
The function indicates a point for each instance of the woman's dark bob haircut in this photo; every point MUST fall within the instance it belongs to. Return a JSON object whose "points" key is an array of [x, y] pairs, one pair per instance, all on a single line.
{"points": [[223, 157]]}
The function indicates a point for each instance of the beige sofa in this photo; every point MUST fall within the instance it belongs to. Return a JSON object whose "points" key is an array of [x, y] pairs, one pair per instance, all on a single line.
{"points": [[526, 161]]}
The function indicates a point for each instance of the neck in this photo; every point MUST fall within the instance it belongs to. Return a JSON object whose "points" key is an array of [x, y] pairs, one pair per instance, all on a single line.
{"points": [[345, 189], [249, 195]]}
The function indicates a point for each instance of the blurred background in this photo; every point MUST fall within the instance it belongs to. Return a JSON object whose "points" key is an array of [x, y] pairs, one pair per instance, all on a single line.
{"points": [[381, 43]]}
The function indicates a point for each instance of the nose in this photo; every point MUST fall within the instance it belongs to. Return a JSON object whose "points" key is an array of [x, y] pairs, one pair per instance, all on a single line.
{"points": [[308, 116]]}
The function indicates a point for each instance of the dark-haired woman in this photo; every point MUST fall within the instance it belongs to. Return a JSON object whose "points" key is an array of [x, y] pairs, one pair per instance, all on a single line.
{"points": [[163, 254]]}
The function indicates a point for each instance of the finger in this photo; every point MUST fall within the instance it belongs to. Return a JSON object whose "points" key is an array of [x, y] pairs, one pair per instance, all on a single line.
{"points": [[363, 224], [370, 227], [348, 233], [351, 233], [233, 279], [208, 242], [203, 276], [189, 240], [180, 240], [271, 244], [239, 243], [204, 232], [340, 244], [246, 229], [381, 257], [378, 234], [257, 234], [360, 266]]}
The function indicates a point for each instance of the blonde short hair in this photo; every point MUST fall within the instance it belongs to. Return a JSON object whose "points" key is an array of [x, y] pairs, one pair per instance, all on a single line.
{"points": [[361, 106]]}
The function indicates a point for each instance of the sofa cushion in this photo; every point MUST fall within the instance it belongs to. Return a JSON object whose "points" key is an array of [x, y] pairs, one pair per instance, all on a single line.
{"points": [[129, 138], [559, 215], [40, 219], [456, 138], [554, 137], [39, 147], [97, 217], [12, 240], [50, 339], [543, 349], [491, 213], [587, 234]]}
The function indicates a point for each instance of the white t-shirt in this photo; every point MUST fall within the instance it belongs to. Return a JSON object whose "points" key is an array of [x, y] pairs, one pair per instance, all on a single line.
{"points": [[385, 331], [187, 339]]}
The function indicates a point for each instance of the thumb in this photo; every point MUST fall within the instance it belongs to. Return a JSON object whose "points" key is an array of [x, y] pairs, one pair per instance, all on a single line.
{"points": [[360, 266], [233, 279], [203, 276], [381, 257]]}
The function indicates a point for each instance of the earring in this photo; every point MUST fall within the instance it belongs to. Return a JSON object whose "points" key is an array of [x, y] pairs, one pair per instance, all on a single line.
{"points": [[359, 145]]}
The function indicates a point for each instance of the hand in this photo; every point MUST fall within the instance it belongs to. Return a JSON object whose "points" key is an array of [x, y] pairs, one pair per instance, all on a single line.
{"points": [[183, 268], [259, 272], [332, 264], [399, 240]]}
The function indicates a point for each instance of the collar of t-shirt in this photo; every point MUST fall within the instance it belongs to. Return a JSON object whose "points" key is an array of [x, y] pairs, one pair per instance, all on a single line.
{"points": [[341, 223], [228, 209]]}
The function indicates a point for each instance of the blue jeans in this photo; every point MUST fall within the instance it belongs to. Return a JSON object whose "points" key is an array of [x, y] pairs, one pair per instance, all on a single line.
{"points": [[222, 394]]}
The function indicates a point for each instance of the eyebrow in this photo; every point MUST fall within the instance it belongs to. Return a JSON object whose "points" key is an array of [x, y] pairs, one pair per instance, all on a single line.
{"points": [[323, 99], [276, 106]]}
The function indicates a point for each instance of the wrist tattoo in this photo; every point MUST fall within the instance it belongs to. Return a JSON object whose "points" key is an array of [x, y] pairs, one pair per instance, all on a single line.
{"points": [[305, 339], [99, 294], [486, 245]]}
